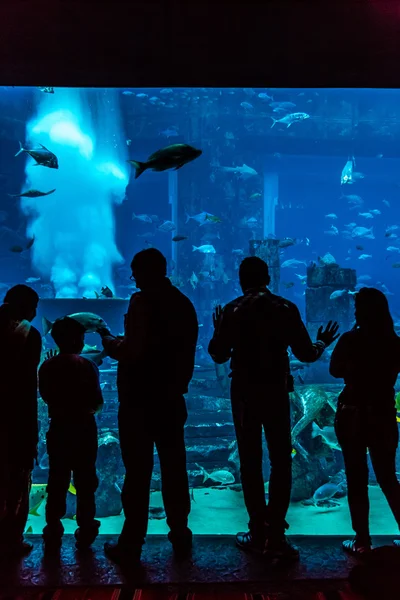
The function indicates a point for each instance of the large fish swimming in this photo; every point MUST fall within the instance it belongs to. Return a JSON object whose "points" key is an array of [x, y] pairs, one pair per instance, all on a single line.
{"points": [[174, 156], [310, 401], [42, 155], [91, 322], [32, 194]]}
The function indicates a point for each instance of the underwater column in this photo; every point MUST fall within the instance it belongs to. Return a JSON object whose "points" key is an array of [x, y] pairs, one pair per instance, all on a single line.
{"points": [[74, 227]]}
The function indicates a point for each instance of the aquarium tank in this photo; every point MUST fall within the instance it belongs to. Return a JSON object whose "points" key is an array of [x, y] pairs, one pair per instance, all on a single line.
{"points": [[307, 179]]}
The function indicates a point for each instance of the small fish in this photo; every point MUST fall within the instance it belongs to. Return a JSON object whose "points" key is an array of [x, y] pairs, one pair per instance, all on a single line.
{"points": [[222, 476], [249, 92], [144, 218], [169, 132], [41, 155], [303, 278], [391, 228], [202, 218], [91, 322], [106, 292], [238, 252], [141, 96], [264, 97], [251, 222], [359, 247], [16, 249], [287, 285], [256, 196], [375, 211], [287, 242], [179, 238], [46, 90], [292, 262], [244, 172], [128, 142], [357, 175], [166, 91], [366, 215], [32, 279], [205, 249], [288, 120], [326, 491], [331, 216], [364, 256], [393, 249], [174, 156], [283, 105], [167, 226], [363, 232], [328, 435], [128, 93], [337, 294], [386, 203], [32, 194], [194, 280], [247, 105], [364, 278], [30, 243]]}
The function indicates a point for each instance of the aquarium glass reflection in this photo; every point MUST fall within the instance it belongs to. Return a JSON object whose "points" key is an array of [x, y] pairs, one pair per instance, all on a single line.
{"points": [[308, 179]]}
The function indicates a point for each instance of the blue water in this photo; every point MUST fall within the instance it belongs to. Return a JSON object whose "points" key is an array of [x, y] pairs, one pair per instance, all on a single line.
{"points": [[85, 236]]}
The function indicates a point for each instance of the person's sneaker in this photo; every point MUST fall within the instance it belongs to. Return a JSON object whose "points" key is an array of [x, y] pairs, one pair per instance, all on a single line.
{"points": [[182, 542], [357, 547], [248, 542], [281, 548], [123, 555], [85, 537]]}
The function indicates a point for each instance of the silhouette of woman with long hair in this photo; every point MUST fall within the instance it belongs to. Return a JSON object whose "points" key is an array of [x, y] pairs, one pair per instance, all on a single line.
{"points": [[368, 359]]}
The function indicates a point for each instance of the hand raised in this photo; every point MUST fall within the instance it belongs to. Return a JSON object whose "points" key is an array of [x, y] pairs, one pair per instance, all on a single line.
{"points": [[329, 334]]}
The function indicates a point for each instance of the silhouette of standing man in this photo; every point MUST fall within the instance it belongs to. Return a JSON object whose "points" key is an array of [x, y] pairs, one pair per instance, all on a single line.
{"points": [[156, 363], [255, 331]]}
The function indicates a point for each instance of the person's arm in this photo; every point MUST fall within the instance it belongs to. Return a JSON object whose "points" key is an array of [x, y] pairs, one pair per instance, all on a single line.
{"points": [[220, 346], [92, 385], [132, 346], [299, 339], [339, 364]]}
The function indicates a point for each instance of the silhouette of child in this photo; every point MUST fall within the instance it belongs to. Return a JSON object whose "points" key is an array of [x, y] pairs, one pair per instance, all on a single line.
{"points": [[69, 384]]}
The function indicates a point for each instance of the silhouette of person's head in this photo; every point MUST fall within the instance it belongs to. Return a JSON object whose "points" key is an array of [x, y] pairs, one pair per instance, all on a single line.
{"points": [[21, 302], [69, 335], [372, 311], [149, 268], [253, 273]]}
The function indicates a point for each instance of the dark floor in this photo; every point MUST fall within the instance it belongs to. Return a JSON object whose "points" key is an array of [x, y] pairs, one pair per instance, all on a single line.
{"points": [[216, 564]]}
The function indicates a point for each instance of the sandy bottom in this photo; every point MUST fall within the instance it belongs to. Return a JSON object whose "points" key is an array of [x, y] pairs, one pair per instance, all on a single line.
{"points": [[221, 511]]}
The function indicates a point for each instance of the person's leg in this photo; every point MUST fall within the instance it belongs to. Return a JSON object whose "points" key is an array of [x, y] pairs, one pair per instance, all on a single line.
{"points": [[137, 447], [86, 482], [248, 429], [58, 481], [383, 440], [16, 509], [351, 434], [277, 427], [170, 443]]}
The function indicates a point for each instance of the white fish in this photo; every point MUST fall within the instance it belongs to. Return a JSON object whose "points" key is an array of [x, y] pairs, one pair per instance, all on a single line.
{"points": [[331, 216], [194, 280], [244, 171], [222, 476], [167, 226], [393, 249], [141, 96], [328, 435], [337, 294], [202, 218], [366, 215], [364, 278], [375, 211], [292, 262], [288, 120], [144, 218], [205, 249], [32, 279], [363, 232], [391, 228], [247, 106], [364, 256], [327, 259], [351, 225], [302, 278]]}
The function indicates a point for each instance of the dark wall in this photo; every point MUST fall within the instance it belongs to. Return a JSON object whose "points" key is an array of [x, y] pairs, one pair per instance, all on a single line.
{"points": [[207, 43]]}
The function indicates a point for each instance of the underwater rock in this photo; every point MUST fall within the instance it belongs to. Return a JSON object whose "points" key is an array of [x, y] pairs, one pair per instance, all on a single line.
{"points": [[331, 275], [308, 475], [109, 472], [209, 403], [214, 452]]}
